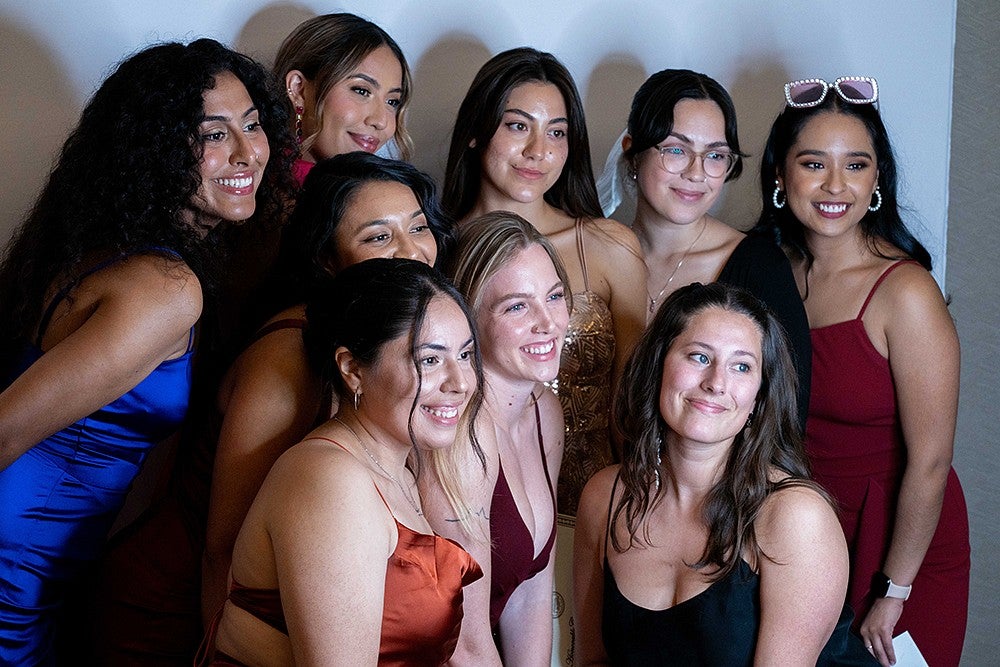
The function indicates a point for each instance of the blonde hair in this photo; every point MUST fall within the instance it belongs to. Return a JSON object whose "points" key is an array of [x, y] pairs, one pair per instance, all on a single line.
{"points": [[327, 48]]}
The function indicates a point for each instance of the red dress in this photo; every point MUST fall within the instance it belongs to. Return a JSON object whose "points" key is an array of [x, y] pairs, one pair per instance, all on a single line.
{"points": [[855, 445]]}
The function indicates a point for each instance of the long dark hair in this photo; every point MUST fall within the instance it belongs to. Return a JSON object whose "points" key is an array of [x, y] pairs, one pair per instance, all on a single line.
{"points": [[479, 117], [327, 48], [127, 176], [308, 247], [652, 116], [772, 440], [371, 303], [885, 224]]}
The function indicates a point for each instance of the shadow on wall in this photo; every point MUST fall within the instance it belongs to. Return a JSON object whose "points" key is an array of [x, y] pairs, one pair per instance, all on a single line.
{"points": [[40, 110], [267, 28], [440, 80]]}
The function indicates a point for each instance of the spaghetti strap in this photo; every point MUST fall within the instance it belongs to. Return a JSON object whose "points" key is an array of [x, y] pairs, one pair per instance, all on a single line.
{"points": [[541, 449], [581, 252], [885, 274], [320, 437], [279, 325], [607, 527]]}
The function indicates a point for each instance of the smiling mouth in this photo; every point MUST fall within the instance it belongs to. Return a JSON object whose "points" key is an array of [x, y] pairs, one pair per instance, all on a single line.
{"points": [[235, 183], [446, 413], [367, 142], [831, 208], [540, 349]]}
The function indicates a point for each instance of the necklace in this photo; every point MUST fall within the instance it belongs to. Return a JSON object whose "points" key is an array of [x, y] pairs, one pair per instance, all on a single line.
{"points": [[406, 494], [653, 300]]}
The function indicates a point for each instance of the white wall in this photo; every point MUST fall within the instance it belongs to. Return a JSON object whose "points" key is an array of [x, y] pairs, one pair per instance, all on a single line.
{"points": [[56, 53]]}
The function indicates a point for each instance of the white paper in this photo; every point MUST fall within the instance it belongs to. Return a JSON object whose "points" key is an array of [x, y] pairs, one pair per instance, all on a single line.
{"points": [[907, 653]]}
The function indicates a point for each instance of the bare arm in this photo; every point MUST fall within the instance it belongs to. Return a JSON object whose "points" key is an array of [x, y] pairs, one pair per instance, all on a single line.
{"points": [[475, 643], [270, 402], [923, 352], [803, 583], [139, 313], [588, 567]]}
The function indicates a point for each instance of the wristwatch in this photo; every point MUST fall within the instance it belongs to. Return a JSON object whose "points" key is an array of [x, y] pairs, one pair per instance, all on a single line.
{"points": [[882, 587]]}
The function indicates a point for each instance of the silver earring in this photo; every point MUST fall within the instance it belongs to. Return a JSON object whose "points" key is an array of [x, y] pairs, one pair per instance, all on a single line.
{"points": [[659, 460], [357, 400], [774, 197], [878, 203], [749, 420]]}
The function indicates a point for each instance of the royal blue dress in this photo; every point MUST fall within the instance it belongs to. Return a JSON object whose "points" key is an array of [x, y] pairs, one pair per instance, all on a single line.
{"points": [[59, 499]]}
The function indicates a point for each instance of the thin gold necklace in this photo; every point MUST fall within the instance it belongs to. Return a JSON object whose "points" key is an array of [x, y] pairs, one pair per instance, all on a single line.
{"points": [[406, 494], [653, 300]]}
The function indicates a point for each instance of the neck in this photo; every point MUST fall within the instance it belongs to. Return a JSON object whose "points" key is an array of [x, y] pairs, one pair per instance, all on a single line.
{"points": [[695, 467], [661, 237], [537, 212], [507, 400], [833, 254], [390, 453]]}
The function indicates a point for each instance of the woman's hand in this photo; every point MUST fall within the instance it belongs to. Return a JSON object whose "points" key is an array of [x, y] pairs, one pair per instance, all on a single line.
{"points": [[876, 630]]}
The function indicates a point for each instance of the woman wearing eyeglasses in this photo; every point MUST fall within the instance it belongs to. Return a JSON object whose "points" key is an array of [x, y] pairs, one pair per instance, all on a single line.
{"points": [[885, 367], [680, 150]]}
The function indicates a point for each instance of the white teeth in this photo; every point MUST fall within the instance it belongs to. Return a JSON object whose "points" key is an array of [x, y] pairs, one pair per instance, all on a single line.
{"points": [[833, 208], [443, 413], [540, 349], [244, 182]]}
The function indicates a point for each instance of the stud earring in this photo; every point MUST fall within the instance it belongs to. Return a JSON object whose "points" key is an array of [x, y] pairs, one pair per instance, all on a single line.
{"points": [[878, 203], [774, 197]]}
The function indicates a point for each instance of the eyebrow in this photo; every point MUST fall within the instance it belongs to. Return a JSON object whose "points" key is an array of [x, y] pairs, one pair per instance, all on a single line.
{"points": [[736, 353], [819, 153], [523, 295], [687, 140], [208, 119], [383, 221], [438, 347], [373, 81], [525, 114]]}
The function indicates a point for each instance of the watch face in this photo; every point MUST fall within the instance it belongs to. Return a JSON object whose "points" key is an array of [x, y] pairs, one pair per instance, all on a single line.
{"points": [[880, 585]]}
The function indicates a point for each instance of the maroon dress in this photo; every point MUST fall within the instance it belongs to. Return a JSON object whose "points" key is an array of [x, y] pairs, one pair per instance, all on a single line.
{"points": [[855, 444]]}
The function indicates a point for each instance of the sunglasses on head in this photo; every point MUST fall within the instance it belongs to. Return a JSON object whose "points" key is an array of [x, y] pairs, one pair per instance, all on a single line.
{"points": [[852, 89]]}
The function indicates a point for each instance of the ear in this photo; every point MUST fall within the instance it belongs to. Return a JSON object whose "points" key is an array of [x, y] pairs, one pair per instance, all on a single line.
{"points": [[295, 87], [350, 369], [472, 143], [779, 178], [626, 142]]}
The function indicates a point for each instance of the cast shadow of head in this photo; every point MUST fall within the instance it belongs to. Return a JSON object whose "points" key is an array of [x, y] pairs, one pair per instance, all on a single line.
{"points": [[40, 109], [267, 28]]}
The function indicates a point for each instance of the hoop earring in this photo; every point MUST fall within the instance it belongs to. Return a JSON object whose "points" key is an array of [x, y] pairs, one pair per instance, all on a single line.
{"points": [[299, 110], [878, 203], [774, 197], [357, 400]]}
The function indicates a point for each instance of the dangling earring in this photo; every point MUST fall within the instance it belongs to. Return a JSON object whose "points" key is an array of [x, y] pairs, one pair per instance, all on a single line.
{"points": [[749, 420], [299, 110], [357, 399], [659, 460], [774, 197], [878, 203]]}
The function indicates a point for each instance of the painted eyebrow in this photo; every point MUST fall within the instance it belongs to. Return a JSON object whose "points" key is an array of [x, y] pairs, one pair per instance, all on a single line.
{"points": [[687, 140], [373, 81], [818, 153], [209, 119], [438, 347], [525, 114], [384, 221]]}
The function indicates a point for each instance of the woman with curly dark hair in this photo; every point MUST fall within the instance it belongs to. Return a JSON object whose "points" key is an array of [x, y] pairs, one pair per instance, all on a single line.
{"points": [[709, 544], [100, 293]]}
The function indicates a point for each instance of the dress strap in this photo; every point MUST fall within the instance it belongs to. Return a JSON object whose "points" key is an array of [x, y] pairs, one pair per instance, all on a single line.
{"points": [[279, 325], [541, 448], [885, 274], [607, 527], [320, 437], [581, 252]]}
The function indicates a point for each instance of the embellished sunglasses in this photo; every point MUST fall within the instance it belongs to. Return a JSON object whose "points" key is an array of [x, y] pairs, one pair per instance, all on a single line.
{"points": [[852, 89]]}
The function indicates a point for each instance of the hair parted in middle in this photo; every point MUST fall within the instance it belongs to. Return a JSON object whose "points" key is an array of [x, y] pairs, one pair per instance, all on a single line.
{"points": [[479, 117], [772, 441]]}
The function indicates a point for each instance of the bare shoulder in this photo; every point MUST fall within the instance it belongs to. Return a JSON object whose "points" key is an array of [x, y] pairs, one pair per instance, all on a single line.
{"points": [[597, 493], [796, 516], [613, 237], [155, 281], [909, 287], [318, 472], [552, 418]]}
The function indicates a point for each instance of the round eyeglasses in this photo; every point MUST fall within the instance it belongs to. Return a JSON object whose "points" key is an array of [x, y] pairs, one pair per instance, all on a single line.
{"points": [[678, 158]]}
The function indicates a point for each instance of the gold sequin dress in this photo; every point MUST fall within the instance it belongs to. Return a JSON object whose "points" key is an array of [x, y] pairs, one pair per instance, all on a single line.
{"points": [[584, 389]]}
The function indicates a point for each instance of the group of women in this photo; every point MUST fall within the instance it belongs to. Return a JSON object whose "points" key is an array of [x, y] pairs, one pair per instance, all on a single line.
{"points": [[416, 388]]}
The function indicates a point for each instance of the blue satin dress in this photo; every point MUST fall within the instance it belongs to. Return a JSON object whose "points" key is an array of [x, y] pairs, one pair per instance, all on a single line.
{"points": [[59, 499]]}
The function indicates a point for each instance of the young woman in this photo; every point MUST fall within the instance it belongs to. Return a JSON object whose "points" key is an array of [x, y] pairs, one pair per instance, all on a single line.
{"points": [[516, 288], [680, 150], [348, 84], [520, 144], [352, 207], [885, 365], [338, 524], [100, 292], [709, 544]]}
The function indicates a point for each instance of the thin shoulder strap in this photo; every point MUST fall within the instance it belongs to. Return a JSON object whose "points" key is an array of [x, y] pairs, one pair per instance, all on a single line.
{"points": [[607, 527], [541, 449], [885, 274], [581, 252], [279, 325], [320, 437]]}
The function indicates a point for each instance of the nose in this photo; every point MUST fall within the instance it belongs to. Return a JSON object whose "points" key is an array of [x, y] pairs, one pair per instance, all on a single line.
{"points": [[544, 323], [378, 116], [406, 248], [243, 150], [834, 181], [456, 379], [714, 381], [696, 169], [535, 148]]}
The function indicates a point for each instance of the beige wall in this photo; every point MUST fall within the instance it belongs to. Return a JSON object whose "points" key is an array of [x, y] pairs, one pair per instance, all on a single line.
{"points": [[974, 285]]}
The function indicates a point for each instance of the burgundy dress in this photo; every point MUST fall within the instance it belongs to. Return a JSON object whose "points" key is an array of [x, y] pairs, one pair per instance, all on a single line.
{"points": [[855, 444]]}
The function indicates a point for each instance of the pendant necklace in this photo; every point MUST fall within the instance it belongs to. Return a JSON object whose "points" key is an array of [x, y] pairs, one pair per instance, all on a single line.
{"points": [[653, 300], [406, 494]]}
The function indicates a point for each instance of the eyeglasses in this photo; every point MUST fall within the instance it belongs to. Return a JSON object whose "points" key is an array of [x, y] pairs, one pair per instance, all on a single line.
{"points": [[678, 158], [811, 92]]}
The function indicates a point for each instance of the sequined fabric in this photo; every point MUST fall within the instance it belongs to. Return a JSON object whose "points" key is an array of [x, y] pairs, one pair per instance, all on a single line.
{"points": [[584, 389]]}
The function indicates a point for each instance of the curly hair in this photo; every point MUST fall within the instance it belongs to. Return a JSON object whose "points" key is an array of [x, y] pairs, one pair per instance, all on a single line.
{"points": [[127, 176], [772, 441], [308, 249], [326, 49], [480, 114], [886, 223]]}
